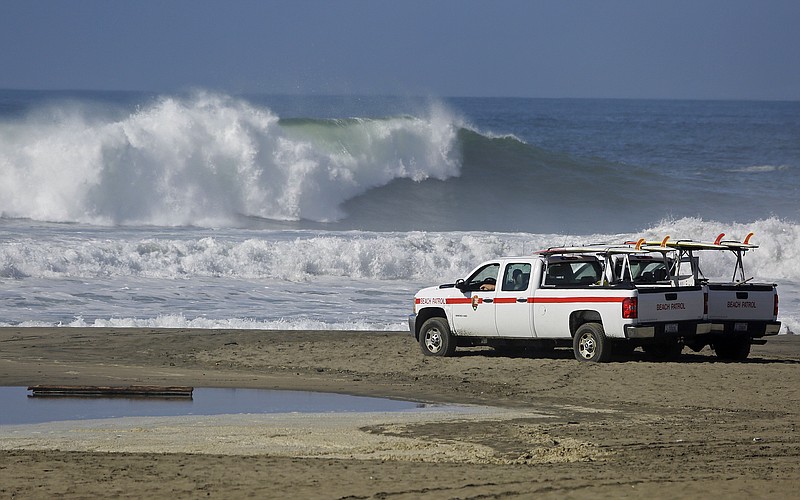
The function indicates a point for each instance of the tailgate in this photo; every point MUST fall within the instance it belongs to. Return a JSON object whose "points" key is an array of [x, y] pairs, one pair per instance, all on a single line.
{"points": [[754, 302], [671, 304]]}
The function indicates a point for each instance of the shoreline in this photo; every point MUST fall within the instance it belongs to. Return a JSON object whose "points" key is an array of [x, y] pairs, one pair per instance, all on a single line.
{"points": [[697, 426]]}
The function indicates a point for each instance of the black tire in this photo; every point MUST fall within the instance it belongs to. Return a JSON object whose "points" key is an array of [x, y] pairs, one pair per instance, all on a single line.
{"points": [[590, 343], [733, 349], [435, 338]]}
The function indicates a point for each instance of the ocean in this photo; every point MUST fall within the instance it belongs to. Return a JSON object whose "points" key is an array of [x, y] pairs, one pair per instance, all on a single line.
{"points": [[209, 210]]}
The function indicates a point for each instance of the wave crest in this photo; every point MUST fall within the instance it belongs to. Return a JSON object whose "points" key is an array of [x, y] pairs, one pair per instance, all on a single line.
{"points": [[208, 159]]}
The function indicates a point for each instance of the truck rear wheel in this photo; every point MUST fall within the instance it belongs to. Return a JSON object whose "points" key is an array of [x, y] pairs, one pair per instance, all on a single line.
{"points": [[435, 338], [733, 349], [590, 343]]}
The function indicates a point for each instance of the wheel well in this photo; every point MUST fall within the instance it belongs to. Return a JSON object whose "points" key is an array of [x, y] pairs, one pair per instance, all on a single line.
{"points": [[578, 318], [426, 314]]}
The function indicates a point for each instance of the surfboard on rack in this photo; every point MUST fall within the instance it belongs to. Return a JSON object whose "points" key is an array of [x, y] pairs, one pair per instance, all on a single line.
{"points": [[719, 244], [599, 249]]}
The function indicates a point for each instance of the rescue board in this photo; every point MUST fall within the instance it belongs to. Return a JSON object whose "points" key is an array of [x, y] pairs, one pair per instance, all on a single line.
{"points": [[697, 245], [744, 245], [555, 250], [718, 244], [663, 246], [613, 249]]}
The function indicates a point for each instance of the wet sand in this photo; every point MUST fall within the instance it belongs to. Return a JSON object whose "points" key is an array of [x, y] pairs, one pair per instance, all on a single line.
{"points": [[627, 429]]}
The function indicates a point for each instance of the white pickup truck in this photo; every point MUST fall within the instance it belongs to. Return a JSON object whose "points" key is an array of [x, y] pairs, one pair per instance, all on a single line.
{"points": [[739, 311], [591, 298]]}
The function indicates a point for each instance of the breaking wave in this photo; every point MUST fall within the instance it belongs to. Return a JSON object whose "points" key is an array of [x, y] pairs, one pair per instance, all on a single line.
{"points": [[300, 256], [211, 160], [208, 160]]}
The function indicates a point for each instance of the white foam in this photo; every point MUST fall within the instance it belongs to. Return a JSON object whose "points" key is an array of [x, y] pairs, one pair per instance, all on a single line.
{"points": [[776, 258], [206, 160], [81, 276], [303, 255], [180, 321], [757, 169]]}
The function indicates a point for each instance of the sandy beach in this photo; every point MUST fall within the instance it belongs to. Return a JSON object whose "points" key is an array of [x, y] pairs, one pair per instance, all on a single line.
{"points": [[544, 426]]}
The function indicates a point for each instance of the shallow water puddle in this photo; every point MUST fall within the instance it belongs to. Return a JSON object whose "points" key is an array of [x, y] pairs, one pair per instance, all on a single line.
{"points": [[16, 407]]}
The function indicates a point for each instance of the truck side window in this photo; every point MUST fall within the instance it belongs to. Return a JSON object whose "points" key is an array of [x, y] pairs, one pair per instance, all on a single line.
{"points": [[651, 272], [587, 273], [485, 276], [573, 273], [516, 277], [559, 274]]}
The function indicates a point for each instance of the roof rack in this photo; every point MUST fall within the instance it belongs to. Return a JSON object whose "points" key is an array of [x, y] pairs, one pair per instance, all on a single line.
{"points": [[718, 244], [591, 249]]}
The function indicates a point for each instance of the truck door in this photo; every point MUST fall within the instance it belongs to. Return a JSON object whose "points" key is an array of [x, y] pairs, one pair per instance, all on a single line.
{"points": [[513, 311], [474, 315], [565, 287]]}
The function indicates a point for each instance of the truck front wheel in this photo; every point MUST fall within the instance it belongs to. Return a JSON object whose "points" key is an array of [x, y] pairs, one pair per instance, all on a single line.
{"points": [[590, 343], [435, 338]]}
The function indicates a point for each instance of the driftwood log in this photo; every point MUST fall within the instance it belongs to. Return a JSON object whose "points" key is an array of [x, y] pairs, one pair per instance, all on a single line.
{"points": [[110, 391]]}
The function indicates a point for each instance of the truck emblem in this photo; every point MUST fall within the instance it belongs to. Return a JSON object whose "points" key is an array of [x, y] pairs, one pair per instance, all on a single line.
{"points": [[475, 301]]}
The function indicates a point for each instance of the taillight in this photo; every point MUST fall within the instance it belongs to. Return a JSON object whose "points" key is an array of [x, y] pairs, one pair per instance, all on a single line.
{"points": [[705, 303], [630, 308], [775, 312]]}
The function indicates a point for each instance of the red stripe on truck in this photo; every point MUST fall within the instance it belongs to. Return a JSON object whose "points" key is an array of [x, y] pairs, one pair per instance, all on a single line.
{"points": [[569, 300], [533, 300], [505, 300]]}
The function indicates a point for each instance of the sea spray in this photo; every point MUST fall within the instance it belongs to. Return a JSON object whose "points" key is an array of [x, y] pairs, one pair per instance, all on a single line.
{"points": [[207, 160]]}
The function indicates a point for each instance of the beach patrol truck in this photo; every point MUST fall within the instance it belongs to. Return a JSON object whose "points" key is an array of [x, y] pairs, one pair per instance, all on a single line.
{"points": [[594, 298], [740, 311]]}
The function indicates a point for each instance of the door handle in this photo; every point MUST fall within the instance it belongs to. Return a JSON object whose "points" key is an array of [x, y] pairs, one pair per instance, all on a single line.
{"points": [[522, 300], [488, 301]]}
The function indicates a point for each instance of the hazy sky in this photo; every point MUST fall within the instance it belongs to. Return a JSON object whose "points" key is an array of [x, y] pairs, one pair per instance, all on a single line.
{"points": [[704, 49]]}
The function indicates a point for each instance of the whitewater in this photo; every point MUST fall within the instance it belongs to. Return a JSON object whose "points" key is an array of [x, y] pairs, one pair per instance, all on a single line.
{"points": [[216, 211]]}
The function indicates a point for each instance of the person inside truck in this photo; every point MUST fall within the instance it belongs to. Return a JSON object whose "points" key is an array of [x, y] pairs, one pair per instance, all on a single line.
{"points": [[517, 277], [520, 280], [484, 279], [488, 286]]}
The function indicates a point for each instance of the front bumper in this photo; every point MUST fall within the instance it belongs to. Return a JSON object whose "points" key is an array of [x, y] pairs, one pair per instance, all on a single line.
{"points": [[412, 323]]}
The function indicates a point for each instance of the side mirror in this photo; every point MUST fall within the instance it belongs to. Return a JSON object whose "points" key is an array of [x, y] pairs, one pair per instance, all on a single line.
{"points": [[461, 284]]}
